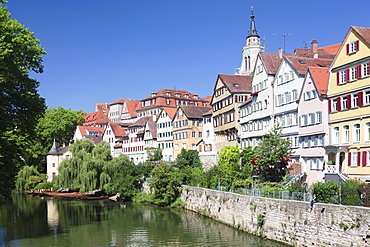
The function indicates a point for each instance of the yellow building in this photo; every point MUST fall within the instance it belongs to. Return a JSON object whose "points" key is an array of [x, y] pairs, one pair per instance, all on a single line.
{"points": [[188, 127], [229, 93], [349, 105]]}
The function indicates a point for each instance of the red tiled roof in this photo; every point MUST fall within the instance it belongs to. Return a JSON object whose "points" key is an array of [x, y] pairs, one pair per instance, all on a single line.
{"points": [[237, 83], [118, 101], [86, 130], [94, 118], [271, 62], [162, 96], [103, 107], [118, 129], [323, 52], [321, 78], [301, 64], [131, 106], [195, 111], [170, 111], [364, 32], [208, 112]]}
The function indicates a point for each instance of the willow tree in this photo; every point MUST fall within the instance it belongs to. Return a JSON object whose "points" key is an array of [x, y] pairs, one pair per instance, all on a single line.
{"points": [[20, 103], [27, 178], [82, 172]]}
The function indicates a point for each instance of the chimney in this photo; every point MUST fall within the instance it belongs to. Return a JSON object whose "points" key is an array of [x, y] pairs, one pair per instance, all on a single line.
{"points": [[280, 53], [314, 45]]}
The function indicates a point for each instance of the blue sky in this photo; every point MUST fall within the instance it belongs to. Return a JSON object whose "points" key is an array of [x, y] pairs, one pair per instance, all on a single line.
{"points": [[100, 51]]}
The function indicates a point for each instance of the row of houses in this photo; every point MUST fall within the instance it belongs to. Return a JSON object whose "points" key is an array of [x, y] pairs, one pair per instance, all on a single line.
{"points": [[319, 96]]}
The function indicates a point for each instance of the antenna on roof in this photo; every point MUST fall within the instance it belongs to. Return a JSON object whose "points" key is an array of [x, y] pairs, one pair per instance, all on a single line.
{"points": [[284, 36], [263, 43]]}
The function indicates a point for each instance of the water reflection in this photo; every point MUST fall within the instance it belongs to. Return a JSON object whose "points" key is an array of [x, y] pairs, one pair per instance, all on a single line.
{"points": [[32, 221]]}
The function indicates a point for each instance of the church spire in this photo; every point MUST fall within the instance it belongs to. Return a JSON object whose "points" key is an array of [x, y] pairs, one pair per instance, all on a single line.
{"points": [[252, 29]]}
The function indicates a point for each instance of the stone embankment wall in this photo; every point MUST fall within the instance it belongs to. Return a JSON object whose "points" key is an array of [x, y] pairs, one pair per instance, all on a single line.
{"points": [[291, 222]]}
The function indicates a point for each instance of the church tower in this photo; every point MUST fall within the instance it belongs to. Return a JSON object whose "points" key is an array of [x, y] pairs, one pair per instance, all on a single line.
{"points": [[250, 50]]}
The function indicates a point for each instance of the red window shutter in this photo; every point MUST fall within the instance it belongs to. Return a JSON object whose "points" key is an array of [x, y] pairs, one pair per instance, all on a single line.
{"points": [[357, 45], [329, 105], [338, 78], [364, 158], [347, 75], [339, 104], [349, 159], [361, 98], [358, 71], [349, 101], [347, 49], [358, 158]]}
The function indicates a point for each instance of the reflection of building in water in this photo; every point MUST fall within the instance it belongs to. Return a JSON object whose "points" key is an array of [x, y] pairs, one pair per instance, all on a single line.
{"points": [[53, 216]]}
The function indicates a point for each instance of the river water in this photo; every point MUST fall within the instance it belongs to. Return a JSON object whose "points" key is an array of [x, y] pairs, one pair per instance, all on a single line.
{"points": [[34, 221]]}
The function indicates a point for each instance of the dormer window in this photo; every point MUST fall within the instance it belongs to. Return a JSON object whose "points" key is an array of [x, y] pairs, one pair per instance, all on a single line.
{"points": [[186, 95], [353, 47], [168, 94], [236, 85], [177, 95], [195, 96], [154, 94]]}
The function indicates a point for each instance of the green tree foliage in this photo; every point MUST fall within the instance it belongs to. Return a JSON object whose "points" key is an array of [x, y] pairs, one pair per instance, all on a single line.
{"points": [[326, 192], [350, 193], [27, 178], [82, 171], [20, 104], [188, 158], [166, 184], [57, 124], [120, 175], [154, 154], [229, 163], [272, 154], [190, 167]]}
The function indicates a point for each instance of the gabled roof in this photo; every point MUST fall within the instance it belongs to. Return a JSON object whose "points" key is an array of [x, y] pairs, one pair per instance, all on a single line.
{"points": [[103, 107], [95, 138], [118, 128], [94, 118], [142, 121], [164, 92], [86, 130], [301, 64], [271, 62], [208, 112], [118, 101], [170, 111], [237, 83], [131, 106], [364, 32], [323, 52], [320, 77], [152, 126], [194, 111]]}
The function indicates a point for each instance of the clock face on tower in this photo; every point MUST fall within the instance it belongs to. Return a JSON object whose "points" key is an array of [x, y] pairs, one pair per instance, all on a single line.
{"points": [[246, 52]]}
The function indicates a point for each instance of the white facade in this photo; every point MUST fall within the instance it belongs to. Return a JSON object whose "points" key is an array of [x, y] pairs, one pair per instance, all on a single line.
{"points": [[207, 147], [313, 130], [256, 116], [53, 161], [287, 87], [165, 135]]}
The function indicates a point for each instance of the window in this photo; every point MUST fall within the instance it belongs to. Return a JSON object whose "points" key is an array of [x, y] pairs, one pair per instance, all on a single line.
{"points": [[365, 69], [354, 100], [346, 134], [353, 73], [319, 117], [344, 102], [367, 133], [367, 97], [334, 105], [342, 77], [294, 94], [311, 118], [357, 132], [200, 134], [354, 158], [335, 135], [353, 47], [53, 164]]}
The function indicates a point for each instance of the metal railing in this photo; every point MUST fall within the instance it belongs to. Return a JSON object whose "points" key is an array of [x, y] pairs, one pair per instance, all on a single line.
{"points": [[284, 195]]}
